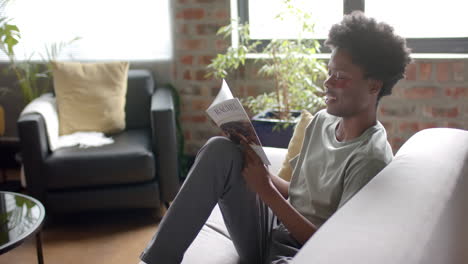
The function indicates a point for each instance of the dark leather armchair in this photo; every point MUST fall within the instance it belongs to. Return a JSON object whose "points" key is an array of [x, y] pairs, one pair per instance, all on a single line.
{"points": [[139, 170]]}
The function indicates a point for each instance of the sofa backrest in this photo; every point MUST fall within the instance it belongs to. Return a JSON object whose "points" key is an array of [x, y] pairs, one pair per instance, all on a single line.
{"points": [[138, 100], [413, 211]]}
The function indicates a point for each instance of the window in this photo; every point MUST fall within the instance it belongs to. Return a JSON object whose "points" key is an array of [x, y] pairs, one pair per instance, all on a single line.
{"points": [[263, 25], [109, 29], [429, 26]]}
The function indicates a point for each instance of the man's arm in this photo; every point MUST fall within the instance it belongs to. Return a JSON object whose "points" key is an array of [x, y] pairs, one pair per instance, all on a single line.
{"points": [[281, 185], [299, 227], [259, 180]]}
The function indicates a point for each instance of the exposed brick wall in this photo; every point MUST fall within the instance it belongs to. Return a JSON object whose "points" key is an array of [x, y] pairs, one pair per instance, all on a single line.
{"points": [[196, 43], [434, 93]]}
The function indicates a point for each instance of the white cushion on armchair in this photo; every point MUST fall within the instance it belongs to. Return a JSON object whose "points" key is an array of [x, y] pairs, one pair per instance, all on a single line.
{"points": [[46, 106]]}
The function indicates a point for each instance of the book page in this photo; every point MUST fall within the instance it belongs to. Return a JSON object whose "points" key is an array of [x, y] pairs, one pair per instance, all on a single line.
{"points": [[223, 94], [229, 114], [230, 110]]}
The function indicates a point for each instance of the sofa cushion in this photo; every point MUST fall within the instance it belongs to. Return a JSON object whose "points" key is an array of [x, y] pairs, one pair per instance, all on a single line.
{"points": [[90, 96], [213, 244], [276, 157], [128, 160]]}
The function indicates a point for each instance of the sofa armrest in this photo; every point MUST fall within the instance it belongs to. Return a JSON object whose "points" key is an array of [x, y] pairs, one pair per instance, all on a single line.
{"points": [[414, 211], [163, 126], [34, 150]]}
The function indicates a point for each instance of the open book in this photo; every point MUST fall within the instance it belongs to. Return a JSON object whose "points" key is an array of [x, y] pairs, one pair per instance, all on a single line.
{"points": [[228, 113]]}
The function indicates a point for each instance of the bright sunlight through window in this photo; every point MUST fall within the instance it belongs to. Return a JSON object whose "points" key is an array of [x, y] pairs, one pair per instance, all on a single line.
{"points": [[422, 18], [263, 24], [411, 19], [109, 29]]}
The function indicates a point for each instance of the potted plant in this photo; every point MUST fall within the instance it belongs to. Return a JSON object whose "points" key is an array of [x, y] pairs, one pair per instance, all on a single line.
{"points": [[34, 77], [297, 76]]}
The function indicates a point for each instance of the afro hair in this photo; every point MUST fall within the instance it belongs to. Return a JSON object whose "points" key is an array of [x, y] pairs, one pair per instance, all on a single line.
{"points": [[374, 46]]}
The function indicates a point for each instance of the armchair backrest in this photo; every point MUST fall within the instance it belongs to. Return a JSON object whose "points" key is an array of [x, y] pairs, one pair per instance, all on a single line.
{"points": [[138, 100]]}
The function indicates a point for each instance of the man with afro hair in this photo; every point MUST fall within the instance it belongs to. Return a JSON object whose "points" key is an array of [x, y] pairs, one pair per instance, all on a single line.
{"points": [[345, 146]]}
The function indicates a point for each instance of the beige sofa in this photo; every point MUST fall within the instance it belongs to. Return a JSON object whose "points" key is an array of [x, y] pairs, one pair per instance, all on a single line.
{"points": [[413, 211]]}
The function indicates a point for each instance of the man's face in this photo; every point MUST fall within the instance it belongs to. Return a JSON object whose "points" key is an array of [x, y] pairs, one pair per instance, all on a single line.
{"points": [[348, 92]]}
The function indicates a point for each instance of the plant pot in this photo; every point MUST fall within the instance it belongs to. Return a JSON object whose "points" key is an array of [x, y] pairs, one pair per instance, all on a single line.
{"points": [[274, 132]]}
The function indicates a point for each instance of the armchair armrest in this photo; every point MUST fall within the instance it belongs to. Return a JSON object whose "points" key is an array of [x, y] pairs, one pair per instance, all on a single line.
{"points": [[163, 128], [34, 150]]}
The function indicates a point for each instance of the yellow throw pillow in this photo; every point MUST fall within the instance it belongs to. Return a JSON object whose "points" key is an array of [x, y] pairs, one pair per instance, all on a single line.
{"points": [[90, 96], [295, 144]]}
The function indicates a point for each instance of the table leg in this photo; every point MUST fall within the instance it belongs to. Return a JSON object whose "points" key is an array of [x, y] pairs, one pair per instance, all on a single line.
{"points": [[40, 258]]}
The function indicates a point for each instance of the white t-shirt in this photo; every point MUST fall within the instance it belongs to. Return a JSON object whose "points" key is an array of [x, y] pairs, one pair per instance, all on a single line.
{"points": [[327, 173]]}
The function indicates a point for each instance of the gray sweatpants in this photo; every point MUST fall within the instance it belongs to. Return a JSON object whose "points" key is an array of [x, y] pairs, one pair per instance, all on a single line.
{"points": [[214, 178]]}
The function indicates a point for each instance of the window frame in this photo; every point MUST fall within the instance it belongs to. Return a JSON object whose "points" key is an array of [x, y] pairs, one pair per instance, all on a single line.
{"points": [[417, 45]]}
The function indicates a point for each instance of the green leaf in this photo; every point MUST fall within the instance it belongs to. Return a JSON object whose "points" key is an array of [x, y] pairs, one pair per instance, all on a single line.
{"points": [[9, 27]]}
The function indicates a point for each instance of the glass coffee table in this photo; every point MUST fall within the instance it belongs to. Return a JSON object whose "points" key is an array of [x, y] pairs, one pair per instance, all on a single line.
{"points": [[21, 217]]}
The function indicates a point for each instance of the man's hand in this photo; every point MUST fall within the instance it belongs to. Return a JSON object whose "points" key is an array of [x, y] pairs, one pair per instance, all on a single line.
{"points": [[259, 180], [255, 173]]}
